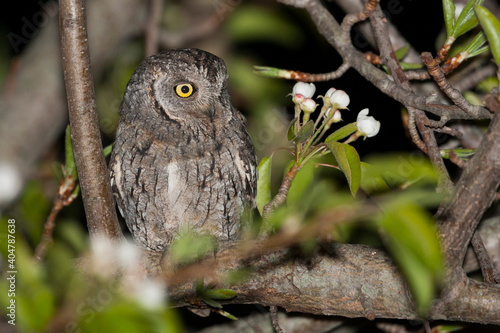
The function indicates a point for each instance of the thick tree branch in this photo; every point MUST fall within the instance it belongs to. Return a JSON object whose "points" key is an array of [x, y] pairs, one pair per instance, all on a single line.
{"points": [[348, 280], [475, 192], [92, 170]]}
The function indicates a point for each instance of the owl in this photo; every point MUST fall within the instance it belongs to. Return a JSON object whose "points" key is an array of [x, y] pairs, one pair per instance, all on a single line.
{"points": [[182, 158]]}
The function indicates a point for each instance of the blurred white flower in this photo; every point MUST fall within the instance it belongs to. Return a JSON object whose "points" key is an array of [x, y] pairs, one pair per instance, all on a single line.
{"points": [[305, 89], [10, 183], [151, 294], [308, 105], [128, 255], [367, 125], [338, 98]]}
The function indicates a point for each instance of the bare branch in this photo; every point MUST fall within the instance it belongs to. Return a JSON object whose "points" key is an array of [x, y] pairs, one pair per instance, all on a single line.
{"points": [[475, 192], [92, 170], [331, 30], [153, 26], [490, 275], [455, 95]]}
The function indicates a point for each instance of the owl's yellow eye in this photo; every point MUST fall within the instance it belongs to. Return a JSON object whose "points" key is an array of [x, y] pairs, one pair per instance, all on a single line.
{"points": [[184, 90]]}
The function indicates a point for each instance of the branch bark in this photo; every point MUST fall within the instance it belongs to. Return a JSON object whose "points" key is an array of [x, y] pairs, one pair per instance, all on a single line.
{"points": [[91, 165], [349, 281], [474, 194]]}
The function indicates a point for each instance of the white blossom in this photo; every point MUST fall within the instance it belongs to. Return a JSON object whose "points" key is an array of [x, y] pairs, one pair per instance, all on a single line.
{"points": [[150, 294], [339, 98], [330, 92], [308, 105], [305, 89], [367, 125], [10, 182]]}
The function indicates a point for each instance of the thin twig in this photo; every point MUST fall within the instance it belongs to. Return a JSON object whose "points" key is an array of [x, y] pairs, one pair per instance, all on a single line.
{"points": [[280, 197], [419, 75], [473, 77], [64, 197], [412, 129], [456, 160], [274, 318], [390, 60], [455, 95], [351, 19], [153, 26], [490, 275], [93, 175], [449, 131]]}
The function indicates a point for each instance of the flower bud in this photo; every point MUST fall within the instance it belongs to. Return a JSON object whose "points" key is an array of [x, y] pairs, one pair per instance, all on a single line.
{"points": [[326, 98], [367, 125], [337, 116], [298, 99], [308, 105], [340, 99], [305, 89]]}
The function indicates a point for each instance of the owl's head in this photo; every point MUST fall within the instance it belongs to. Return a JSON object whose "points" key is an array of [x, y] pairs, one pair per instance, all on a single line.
{"points": [[182, 85]]}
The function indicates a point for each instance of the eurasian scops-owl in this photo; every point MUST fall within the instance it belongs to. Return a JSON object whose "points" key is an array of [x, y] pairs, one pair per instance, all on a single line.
{"points": [[182, 158]]}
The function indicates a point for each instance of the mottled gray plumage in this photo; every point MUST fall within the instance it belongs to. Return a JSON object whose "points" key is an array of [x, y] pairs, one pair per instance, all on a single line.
{"points": [[181, 161]]}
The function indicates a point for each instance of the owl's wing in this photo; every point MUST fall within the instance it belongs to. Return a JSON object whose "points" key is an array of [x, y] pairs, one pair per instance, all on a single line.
{"points": [[247, 160], [115, 174]]}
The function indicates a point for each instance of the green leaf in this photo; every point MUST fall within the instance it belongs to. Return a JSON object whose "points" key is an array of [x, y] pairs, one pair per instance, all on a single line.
{"points": [[305, 132], [264, 183], [449, 16], [273, 72], [107, 150], [464, 154], [487, 84], [491, 27], [407, 66], [227, 315], [402, 51], [401, 169], [341, 133], [291, 130], [199, 287], [371, 182], [222, 294], [475, 45], [211, 302], [70, 157], [348, 160], [467, 19], [301, 184], [411, 237]]}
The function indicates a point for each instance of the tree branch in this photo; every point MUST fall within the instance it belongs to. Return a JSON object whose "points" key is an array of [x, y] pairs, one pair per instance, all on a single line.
{"points": [[92, 170], [389, 59], [333, 33], [42, 106], [475, 192], [348, 280]]}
